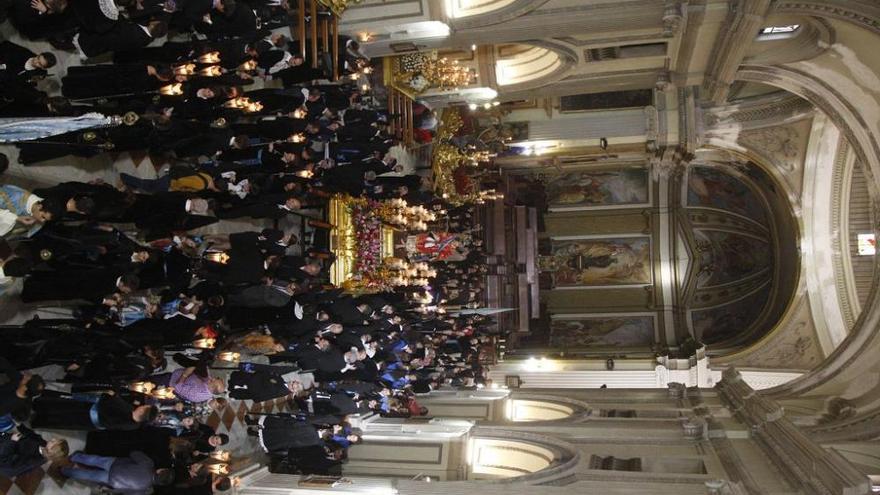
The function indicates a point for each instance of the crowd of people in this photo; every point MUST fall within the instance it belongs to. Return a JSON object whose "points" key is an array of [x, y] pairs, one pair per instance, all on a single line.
{"points": [[170, 323]]}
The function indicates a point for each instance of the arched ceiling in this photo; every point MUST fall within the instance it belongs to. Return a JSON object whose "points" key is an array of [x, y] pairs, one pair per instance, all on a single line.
{"points": [[520, 64], [736, 231]]}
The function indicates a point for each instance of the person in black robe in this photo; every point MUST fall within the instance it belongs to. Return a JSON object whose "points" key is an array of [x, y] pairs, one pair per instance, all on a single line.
{"points": [[274, 206], [257, 386], [123, 36], [41, 19], [89, 284], [273, 128], [246, 264], [114, 80], [20, 451], [87, 412], [278, 434], [235, 21], [89, 16], [276, 100], [19, 63], [159, 215]]}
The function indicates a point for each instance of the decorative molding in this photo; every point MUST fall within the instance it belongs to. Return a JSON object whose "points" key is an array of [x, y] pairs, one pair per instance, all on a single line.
{"points": [[797, 455], [840, 242], [855, 11], [793, 346], [779, 144], [673, 16], [744, 20], [760, 112]]}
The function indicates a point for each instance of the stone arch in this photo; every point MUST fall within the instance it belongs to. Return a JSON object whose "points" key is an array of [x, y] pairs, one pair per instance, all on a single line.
{"points": [[489, 13], [525, 66], [565, 456], [855, 356], [563, 408]]}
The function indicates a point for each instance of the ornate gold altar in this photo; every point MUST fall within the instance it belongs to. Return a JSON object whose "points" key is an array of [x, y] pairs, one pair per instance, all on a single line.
{"points": [[343, 241]]}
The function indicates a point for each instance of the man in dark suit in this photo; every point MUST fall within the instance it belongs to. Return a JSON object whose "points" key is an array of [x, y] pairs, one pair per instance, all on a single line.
{"points": [[89, 284], [260, 385], [19, 63], [124, 36]]}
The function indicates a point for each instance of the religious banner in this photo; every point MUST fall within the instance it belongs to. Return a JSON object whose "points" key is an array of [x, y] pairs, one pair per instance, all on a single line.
{"points": [[595, 189], [599, 261], [602, 330]]}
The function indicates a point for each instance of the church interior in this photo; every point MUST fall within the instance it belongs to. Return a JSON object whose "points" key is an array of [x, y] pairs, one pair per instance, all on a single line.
{"points": [[439, 247]]}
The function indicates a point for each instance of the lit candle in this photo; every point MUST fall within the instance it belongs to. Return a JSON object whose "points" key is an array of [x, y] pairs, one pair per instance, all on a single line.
{"points": [[204, 343], [142, 387], [354, 77], [253, 107], [299, 113], [306, 174], [217, 257], [219, 469], [229, 356], [212, 71], [185, 69], [239, 102], [220, 455], [365, 88], [163, 393], [210, 58], [248, 66], [367, 70], [171, 89], [296, 138]]}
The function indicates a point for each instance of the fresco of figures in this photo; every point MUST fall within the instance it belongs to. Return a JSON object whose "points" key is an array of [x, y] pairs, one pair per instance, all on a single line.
{"points": [[598, 262], [717, 324], [599, 188], [732, 256], [711, 188], [602, 331]]}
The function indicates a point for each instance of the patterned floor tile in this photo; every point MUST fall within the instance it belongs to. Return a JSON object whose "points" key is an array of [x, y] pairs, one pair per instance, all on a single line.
{"points": [[213, 420], [5, 484], [228, 417], [30, 481]]}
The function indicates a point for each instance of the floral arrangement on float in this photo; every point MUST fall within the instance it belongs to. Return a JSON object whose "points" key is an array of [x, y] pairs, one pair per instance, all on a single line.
{"points": [[371, 272]]}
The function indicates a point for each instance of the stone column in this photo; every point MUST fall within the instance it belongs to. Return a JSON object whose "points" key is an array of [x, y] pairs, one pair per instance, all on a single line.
{"points": [[804, 462]]}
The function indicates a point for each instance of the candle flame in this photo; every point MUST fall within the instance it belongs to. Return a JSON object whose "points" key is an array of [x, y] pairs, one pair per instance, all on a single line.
{"points": [[210, 58], [172, 89]]}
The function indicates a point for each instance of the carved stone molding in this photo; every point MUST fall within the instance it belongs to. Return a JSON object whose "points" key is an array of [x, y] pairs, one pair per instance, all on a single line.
{"points": [[695, 428], [759, 112], [802, 460], [745, 19], [864, 14], [780, 144], [672, 17], [677, 391], [792, 346]]}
